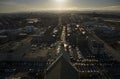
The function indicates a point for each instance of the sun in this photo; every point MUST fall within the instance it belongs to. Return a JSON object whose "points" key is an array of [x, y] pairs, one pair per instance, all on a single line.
{"points": [[60, 1], [60, 4]]}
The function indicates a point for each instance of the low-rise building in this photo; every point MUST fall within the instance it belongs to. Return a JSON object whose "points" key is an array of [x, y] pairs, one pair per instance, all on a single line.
{"points": [[96, 47]]}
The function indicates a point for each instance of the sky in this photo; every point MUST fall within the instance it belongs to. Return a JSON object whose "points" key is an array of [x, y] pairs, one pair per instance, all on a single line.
{"points": [[39, 5]]}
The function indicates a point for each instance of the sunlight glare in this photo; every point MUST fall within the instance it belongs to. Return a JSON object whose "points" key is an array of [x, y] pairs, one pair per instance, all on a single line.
{"points": [[60, 1]]}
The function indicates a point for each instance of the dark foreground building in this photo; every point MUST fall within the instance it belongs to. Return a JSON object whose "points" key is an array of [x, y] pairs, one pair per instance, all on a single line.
{"points": [[61, 69]]}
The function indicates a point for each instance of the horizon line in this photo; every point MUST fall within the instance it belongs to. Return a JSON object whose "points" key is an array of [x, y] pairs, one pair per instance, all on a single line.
{"points": [[62, 11]]}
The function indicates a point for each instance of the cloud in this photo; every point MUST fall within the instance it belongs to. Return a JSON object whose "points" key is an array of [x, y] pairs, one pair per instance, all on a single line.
{"points": [[111, 8], [13, 7], [100, 8]]}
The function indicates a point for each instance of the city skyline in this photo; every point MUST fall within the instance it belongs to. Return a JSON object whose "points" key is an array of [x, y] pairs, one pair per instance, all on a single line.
{"points": [[40, 5]]}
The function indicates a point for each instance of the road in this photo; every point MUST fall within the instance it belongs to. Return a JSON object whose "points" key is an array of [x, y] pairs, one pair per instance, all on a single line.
{"points": [[109, 49]]}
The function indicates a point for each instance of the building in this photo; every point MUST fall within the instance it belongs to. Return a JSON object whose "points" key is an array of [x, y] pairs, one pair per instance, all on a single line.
{"points": [[29, 29], [96, 47], [61, 68], [3, 39]]}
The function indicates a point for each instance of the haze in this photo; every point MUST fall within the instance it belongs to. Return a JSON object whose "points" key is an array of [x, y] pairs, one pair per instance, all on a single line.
{"points": [[39, 5]]}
